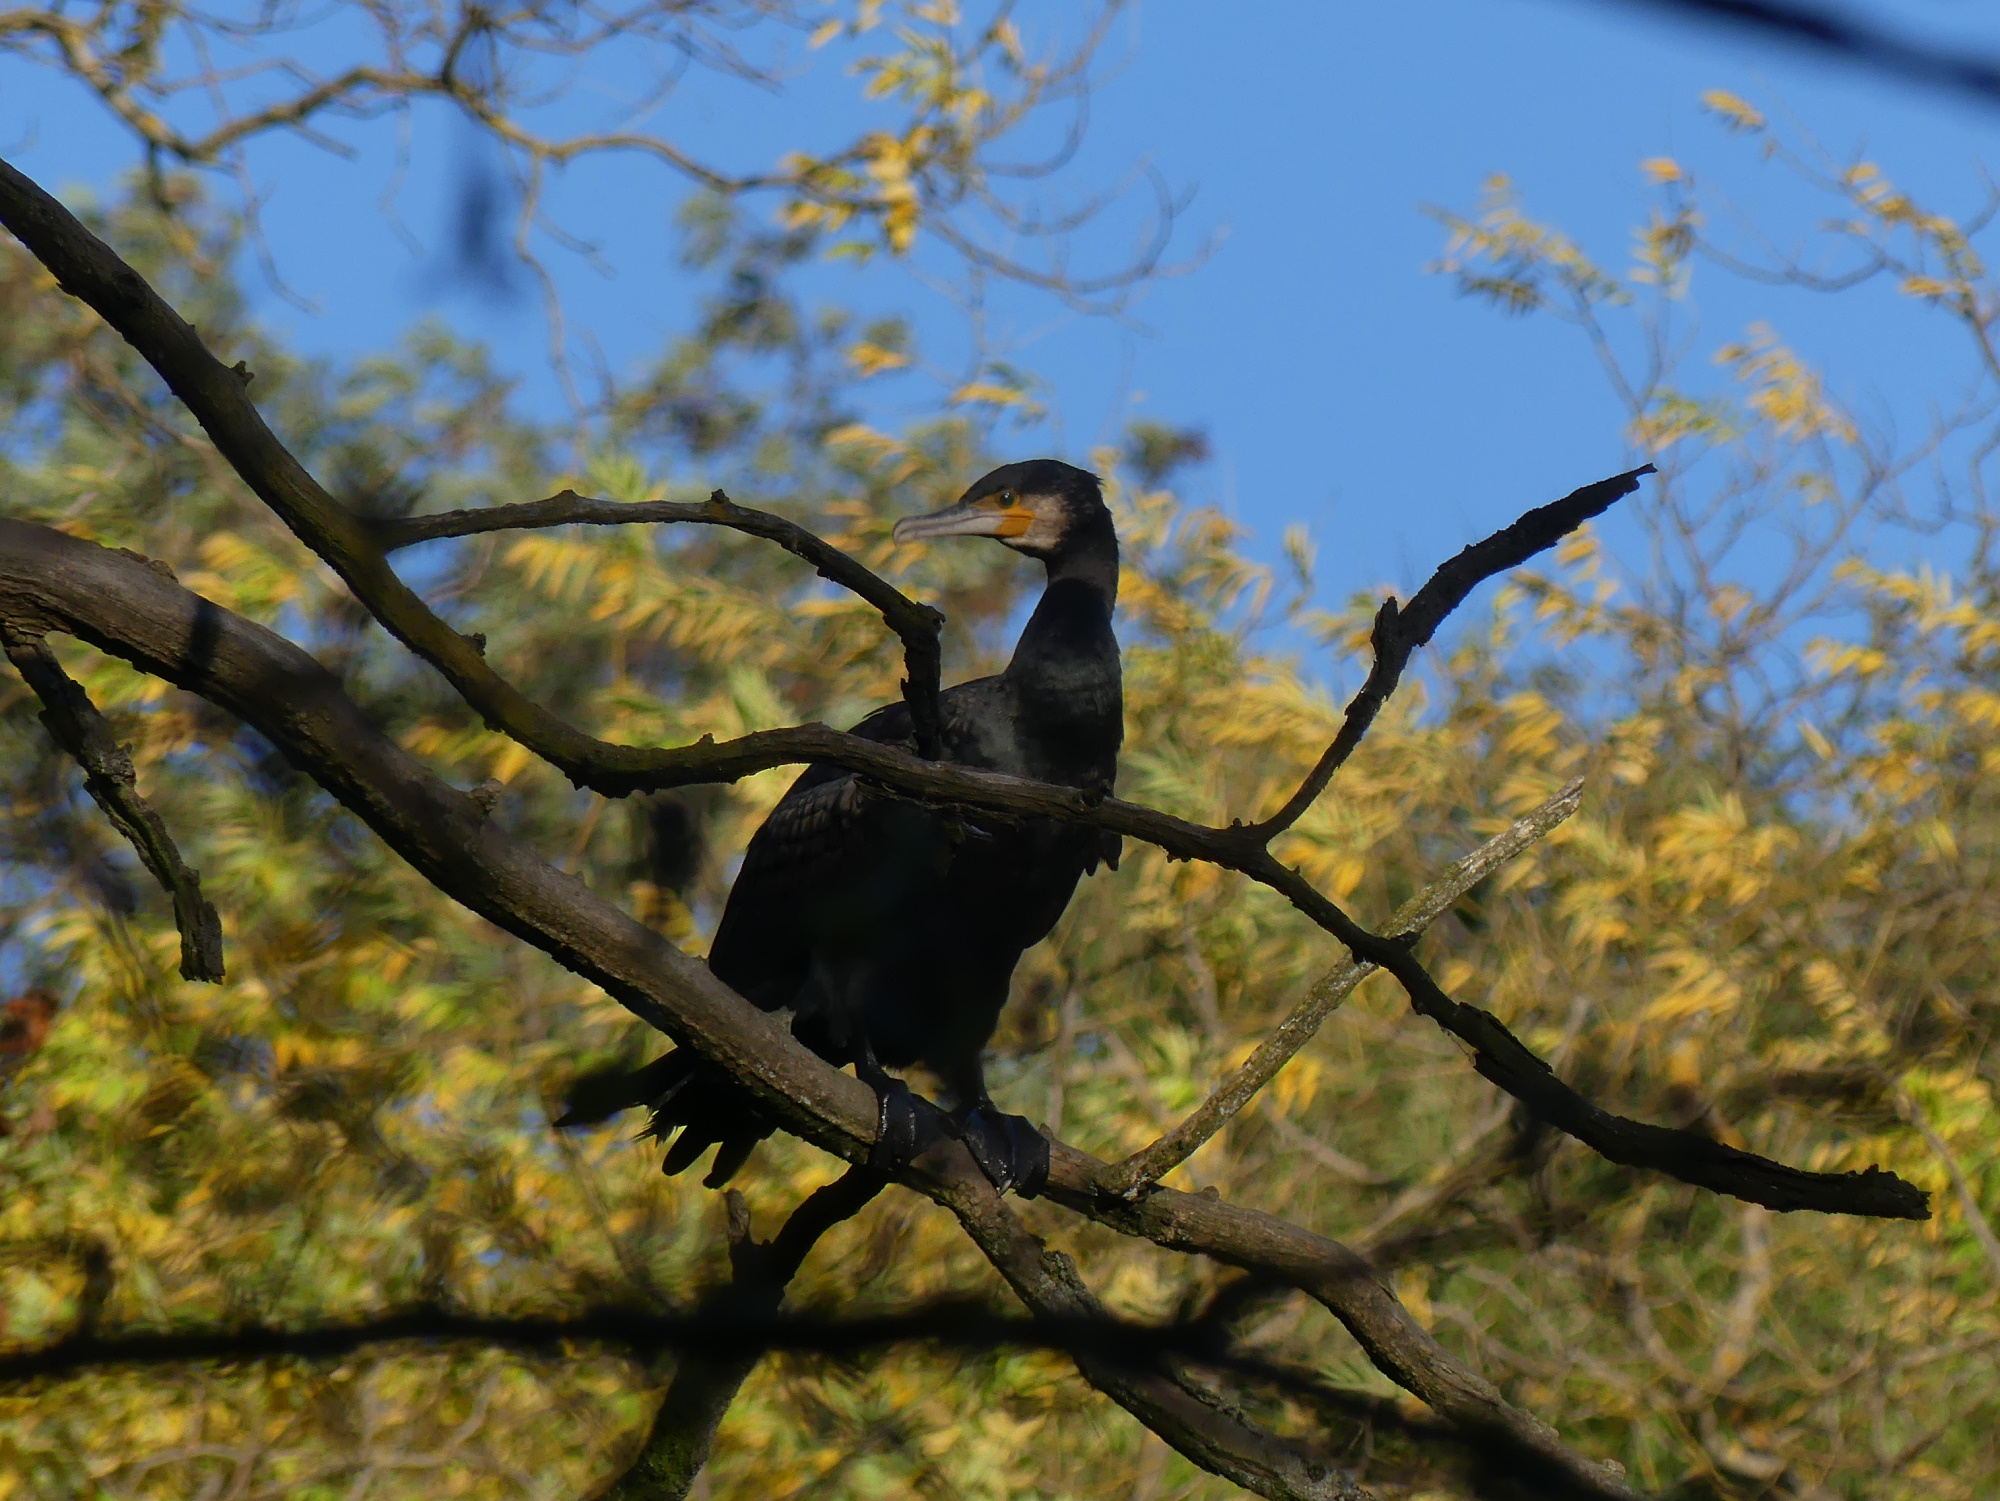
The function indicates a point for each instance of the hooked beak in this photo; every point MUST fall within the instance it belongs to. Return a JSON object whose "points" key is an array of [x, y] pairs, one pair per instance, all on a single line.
{"points": [[966, 519]]}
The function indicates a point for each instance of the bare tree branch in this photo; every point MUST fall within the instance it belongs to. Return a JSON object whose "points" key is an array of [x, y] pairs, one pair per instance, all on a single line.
{"points": [[1503, 1059], [917, 625], [1191, 1417], [1343, 1281], [1400, 631], [718, 1332], [75, 724], [1154, 1162], [721, 1335], [1845, 36]]}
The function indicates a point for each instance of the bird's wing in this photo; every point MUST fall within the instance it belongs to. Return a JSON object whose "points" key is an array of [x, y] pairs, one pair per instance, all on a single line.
{"points": [[762, 949], [963, 712], [809, 845]]}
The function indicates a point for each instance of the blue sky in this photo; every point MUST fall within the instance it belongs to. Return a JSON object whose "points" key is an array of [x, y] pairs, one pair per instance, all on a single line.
{"points": [[1342, 385]]}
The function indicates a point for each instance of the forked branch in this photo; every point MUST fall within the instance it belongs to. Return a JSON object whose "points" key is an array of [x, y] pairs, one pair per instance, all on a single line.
{"points": [[122, 606], [705, 1383]]}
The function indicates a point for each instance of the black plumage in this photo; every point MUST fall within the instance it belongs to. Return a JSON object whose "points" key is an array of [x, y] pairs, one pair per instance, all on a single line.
{"points": [[891, 929]]}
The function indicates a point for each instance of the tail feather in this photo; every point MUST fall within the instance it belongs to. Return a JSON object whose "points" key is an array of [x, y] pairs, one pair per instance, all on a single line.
{"points": [[602, 1093], [693, 1108], [731, 1155], [690, 1144]]}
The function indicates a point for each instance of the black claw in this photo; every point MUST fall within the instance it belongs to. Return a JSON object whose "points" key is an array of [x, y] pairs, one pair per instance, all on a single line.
{"points": [[895, 1126], [1008, 1149]]}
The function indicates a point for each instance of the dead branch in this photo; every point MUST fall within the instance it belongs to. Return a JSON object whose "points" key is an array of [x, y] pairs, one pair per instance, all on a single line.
{"points": [[75, 724], [705, 1383], [1399, 631], [1164, 1396]]}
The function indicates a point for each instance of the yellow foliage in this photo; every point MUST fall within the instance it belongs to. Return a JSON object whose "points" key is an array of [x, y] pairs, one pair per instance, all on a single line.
{"points": [[1734, 111], [1783, 390]]}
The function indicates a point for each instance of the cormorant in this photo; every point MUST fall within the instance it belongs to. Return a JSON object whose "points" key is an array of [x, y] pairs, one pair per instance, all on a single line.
{"points": [[891, 929]]}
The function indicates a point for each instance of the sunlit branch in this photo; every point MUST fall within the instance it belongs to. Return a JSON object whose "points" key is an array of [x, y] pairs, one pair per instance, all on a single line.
{"points": [[1968, 1200], [1163, 1394], [75, 724], [1153, 1162], [1503, 1059], [945, 161]]}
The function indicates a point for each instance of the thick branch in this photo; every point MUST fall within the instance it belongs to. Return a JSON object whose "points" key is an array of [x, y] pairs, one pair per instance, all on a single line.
{"points": [[52, 581], [1846, 35], [717, 1333], [1152, 1163], [75, 724], [1342, 1280], [1195, 1420], [91, 271], [1400, 632], [916, 625]]}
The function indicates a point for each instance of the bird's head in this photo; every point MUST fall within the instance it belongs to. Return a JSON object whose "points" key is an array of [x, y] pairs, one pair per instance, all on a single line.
{"points": [[1041, 507]]}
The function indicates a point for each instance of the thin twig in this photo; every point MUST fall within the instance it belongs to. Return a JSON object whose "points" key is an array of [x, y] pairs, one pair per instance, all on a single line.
{"points": [[917, 625], [1449, 1178], [1401, 631], [1503, 1059], [75, 724], [1968, 1201], [1152, 1163]]}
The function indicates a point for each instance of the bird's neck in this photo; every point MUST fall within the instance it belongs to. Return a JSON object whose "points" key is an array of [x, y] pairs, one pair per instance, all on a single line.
{"points": [[1064, 674], [1072, 623], [1092, 561]]}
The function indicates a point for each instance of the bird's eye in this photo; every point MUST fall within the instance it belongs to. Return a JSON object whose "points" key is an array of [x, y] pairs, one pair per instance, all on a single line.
{"points": [[1006, 497]]}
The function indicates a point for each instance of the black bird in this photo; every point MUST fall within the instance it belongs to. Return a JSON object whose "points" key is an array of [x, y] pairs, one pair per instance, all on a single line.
{"points": [[891, 929]]}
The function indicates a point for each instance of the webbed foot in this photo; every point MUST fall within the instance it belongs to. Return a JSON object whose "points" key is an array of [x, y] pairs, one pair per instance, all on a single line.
{"points": [[1008, 1149]]}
